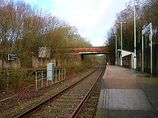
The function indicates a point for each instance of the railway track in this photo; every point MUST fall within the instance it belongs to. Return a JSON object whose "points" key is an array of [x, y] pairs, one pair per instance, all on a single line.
{"points": [[69, 102]]}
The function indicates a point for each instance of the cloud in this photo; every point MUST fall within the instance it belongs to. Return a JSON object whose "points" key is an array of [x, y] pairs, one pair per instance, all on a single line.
{"points": [[31, 1], [82, 13], [93, 18], [99, 41]]}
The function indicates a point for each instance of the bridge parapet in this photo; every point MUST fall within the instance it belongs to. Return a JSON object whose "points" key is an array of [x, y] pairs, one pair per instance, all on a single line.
{"points": [[93, 49]]}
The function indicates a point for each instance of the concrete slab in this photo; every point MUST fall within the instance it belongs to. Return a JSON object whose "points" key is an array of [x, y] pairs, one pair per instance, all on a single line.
{"points": [[127, 114], [120, 83], [123, 99], [153, 97], [125, 95]]}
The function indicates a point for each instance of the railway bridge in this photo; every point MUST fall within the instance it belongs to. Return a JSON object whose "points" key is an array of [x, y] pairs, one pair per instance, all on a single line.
{"points": [[90, 51]]}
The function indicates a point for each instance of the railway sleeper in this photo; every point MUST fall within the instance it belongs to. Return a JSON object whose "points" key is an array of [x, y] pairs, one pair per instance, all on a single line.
{"points": [[68, 100], [59, 108], [65, 105], [73, 94], [72, 97], [86, 111], [49, 115], [60, 111], [79, 91]]}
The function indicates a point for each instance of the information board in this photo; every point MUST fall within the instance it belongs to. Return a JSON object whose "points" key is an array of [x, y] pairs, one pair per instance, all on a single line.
{"points": [[12, 57]]}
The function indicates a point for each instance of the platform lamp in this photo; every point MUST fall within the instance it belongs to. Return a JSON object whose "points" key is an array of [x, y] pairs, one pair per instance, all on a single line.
{"points": [[115, 49], [121, 38], [135, 56]]}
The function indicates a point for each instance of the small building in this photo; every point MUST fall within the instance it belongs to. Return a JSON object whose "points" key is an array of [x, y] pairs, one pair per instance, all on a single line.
{"points": [[44, 52], [44, 57], [127, 58]]}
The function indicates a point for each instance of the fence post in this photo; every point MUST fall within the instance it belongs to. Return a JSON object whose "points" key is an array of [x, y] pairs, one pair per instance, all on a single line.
{"points": [[47, 78], [62, 73], [53, 76], [42, 78], [56, 75], [36, 81], [59, 74]]}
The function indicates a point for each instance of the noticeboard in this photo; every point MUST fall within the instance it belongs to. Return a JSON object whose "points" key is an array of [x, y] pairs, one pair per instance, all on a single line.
{"points": [[12, 57]]}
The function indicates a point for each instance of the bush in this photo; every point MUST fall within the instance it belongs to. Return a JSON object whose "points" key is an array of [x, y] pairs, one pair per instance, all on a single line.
{"points": [[15, 79]]}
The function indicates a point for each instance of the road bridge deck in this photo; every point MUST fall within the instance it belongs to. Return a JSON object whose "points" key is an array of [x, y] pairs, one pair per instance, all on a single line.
{"points": [[127, 94]]}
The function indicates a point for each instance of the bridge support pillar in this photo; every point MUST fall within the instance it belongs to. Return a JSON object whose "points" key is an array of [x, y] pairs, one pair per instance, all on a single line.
{"points": [[82, 57]]}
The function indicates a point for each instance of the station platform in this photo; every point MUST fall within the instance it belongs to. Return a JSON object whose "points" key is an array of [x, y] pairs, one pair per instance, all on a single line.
{"points": [[127, 94]]}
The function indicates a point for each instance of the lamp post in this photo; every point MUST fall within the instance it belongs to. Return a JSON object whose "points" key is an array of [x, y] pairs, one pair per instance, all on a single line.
{"points": [[121, 38], [135, 56], [115, 49]]}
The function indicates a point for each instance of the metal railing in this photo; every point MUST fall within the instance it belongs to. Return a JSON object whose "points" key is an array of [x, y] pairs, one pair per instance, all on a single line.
{"points": [[41, 79]]}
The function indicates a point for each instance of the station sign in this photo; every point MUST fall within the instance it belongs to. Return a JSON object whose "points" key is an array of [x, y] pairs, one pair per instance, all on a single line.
{"points": [[12, 57], [146, 29]]}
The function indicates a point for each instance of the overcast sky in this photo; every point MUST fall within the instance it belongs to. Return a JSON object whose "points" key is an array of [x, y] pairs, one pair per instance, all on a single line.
{"points": [[93, 18]]}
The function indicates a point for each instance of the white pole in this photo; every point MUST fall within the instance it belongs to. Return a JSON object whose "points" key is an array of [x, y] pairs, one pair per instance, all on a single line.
{"points": [[151, 46], [121, 41], [121, 44], [135, 56], [142, 53], [116, 51]]}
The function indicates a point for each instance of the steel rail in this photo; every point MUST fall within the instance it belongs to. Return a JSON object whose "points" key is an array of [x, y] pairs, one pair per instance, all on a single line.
{"points": [[42, 104], [79, 107]]}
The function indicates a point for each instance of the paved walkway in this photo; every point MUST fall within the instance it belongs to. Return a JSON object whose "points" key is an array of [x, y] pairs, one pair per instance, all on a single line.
{"points": [[128, 94]]}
